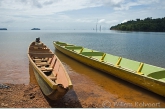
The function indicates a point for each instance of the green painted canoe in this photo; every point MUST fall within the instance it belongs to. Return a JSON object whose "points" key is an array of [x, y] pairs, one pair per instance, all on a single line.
{"points": [[147, 76]]}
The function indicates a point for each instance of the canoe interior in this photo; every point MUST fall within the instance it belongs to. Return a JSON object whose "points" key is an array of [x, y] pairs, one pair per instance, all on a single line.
{"points": [[49, 71], [133, 66]]}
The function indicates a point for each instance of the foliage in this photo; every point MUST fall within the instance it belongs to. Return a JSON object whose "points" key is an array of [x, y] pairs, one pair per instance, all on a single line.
{"points": [[148, 24]]}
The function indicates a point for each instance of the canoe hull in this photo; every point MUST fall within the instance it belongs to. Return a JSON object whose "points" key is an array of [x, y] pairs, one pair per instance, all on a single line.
{"points": [[51, 75], [53, 94], [142, 81]]}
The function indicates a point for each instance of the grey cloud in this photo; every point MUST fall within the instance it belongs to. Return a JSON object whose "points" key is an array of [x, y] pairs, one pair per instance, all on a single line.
{"points": [[50, 2], [23, 16], [114, 3], [111, 3], [2, 2], [8, 21], [36, 4], [33, 3]]}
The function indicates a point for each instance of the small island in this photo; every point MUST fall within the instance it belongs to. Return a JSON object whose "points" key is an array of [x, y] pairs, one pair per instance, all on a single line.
{"points": [[146, 25], [3, 28], [35, 29]]}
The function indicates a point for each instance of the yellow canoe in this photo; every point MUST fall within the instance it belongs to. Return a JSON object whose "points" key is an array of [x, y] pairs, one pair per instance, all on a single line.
{"points": [[147, 76], [50, 73]]}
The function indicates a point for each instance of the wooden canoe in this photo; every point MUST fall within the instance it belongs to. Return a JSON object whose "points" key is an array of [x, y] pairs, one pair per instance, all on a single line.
{"points": [[49, 71], [147, 76]]}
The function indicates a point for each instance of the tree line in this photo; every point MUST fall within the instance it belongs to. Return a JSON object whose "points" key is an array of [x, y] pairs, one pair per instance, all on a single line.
{"points": [[148, 25]]}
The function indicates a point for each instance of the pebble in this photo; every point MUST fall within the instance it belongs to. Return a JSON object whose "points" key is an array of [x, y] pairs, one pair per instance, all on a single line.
{"points": [[2, 86], [6, 105], [31, 95], [3, 104]]}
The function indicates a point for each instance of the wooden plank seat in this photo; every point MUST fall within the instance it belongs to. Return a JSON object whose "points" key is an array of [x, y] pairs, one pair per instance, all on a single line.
{"points": [[51, 65], [41, 55], [44, 63], [32, 49], [53, 78], [41, 46], [40, 59], [46, 68], [39, 50]]}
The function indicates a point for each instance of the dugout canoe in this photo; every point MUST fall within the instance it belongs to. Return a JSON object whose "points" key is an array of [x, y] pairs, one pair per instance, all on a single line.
{"points": [[144, 75], [50, 73]]}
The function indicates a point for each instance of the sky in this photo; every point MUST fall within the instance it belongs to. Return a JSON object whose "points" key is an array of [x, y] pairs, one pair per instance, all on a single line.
{"points": [[75, 14]]}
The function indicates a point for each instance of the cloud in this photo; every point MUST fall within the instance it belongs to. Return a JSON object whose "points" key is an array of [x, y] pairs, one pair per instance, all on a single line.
{"points": [[84, 20], [69, 12], [49, 7], [36, 3], [22, 3], [8, 21], [124, 21], [127, 4], [101, 21], [42, 7], [50, 2], [111, 21]]}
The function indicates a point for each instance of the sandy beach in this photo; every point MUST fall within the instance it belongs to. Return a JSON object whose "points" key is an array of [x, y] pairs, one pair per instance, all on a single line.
{"points": [[85, 94]]}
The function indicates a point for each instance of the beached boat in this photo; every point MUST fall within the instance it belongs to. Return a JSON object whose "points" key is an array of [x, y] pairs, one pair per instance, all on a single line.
{"points": [[48, 70], [147, 76]]}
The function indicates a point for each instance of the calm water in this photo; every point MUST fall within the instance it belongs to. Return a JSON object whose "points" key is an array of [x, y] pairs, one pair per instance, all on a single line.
{"points": [[145, 47], [148, 47]]}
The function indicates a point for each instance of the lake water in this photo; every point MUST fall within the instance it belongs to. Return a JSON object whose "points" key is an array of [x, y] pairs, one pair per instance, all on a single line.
{"points": [[147, 47]]}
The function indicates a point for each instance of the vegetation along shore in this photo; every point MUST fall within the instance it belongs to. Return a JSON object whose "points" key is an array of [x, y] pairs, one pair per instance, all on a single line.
{"points": [[147, 25]]}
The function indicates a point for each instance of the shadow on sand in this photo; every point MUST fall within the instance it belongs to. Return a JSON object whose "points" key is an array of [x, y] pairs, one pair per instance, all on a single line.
{"points": [[70, 100]]}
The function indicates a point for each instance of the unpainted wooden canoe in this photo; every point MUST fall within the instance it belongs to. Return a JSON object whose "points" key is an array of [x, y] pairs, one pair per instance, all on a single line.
{"points": [[147, 76], [50, 73]]}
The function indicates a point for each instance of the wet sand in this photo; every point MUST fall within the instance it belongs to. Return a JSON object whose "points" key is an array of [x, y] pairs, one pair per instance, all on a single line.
{"points": [[85, 93]]}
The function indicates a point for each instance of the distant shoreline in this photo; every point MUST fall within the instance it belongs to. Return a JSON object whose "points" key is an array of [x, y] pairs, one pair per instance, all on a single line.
{"points": [[146, 25], [3, 28], [35, 29]]}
